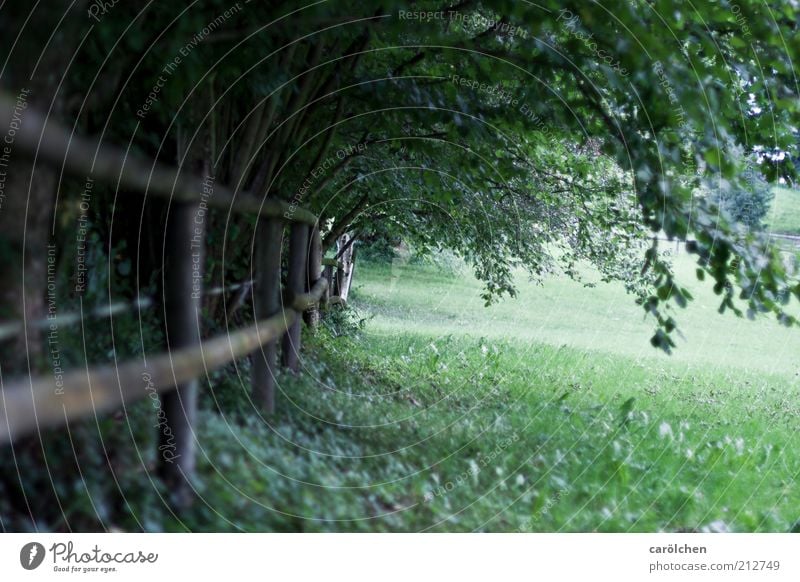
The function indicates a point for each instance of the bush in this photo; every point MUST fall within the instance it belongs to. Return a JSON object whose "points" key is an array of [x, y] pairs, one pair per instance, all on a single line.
{"points": [[748, 205]]}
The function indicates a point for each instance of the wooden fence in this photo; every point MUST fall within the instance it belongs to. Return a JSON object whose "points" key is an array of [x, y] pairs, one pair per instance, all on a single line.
{"points": [[30, 404]]}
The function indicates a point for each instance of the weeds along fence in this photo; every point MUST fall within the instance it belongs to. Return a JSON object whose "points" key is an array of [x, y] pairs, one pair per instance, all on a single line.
{"points": [[30, 404]]}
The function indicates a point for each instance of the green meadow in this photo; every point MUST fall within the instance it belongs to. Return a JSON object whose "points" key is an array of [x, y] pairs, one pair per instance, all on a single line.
{"points": [[784, 214], [546, 412]]}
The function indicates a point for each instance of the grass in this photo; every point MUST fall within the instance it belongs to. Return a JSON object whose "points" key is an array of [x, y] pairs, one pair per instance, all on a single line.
{"points": [[784, 214], [549, 412], [565, 312], [546, 413]]}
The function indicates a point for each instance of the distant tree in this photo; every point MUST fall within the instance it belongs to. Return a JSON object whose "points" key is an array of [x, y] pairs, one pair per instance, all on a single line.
{"points": [[515, 134], [747, 204]]}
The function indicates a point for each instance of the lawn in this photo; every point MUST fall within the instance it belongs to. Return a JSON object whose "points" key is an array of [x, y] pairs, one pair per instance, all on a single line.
{"points": [[549, 412], [603, 318], [784, 214]]}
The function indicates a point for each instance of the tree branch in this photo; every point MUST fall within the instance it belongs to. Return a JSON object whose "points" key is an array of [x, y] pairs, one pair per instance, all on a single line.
{"points": [[342, 224]]}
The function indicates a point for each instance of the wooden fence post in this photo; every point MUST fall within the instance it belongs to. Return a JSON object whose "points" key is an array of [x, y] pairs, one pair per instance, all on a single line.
{"points": [[327, 272], [351, 273], [314, 274], [267, 302], [183, 275], [295, 285], [347, 259], [337, 289]]}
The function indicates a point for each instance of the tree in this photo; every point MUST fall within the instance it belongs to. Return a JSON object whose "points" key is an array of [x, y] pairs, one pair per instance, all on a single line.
{"points": [[749, 203], [516, 133], [504, 130]]}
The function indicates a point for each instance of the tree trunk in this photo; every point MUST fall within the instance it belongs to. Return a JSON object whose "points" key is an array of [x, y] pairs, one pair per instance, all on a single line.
{"points": [[27, 197], [36, 61], [348, 265], [295, 285], [182, 293], [267, 302], [311, 316]]}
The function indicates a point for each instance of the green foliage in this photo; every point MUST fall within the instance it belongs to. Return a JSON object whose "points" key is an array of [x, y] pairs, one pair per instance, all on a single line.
{"points": [[533, 154], [71, 478], [748, 204], [433, 429], [378, 249], [565, 140], [415, 432], [342, 321]]}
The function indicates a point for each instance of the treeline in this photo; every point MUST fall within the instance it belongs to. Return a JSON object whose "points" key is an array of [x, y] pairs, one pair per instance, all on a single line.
{"points": [[512, 134]]}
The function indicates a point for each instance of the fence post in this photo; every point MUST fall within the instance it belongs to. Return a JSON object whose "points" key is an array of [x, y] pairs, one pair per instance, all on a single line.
{"points": [[327, 272], [295, 285], [314, 274], [267, 302], [337, 290], [347, 259], [183, 274]]}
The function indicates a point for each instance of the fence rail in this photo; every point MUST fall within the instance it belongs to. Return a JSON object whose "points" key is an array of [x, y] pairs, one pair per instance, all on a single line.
{"points": [[32, 404], [55, 144], [28, 405]]}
